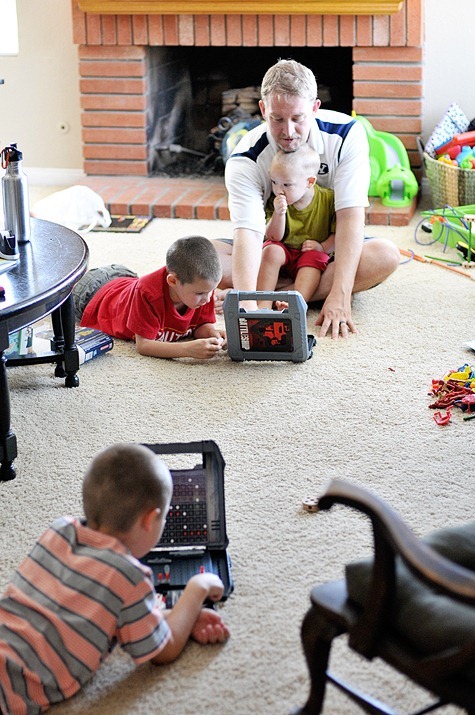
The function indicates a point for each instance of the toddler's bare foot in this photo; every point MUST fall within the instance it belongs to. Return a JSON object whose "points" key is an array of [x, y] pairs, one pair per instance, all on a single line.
{"points": [[219, 296], [281, 305]]}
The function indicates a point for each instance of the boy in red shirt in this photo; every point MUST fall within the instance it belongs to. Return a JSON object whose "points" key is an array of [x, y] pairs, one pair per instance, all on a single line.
{"points": [[161, 308]]}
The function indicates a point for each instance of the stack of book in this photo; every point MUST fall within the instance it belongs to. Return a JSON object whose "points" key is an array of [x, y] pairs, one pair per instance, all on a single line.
{"points": [[39, 340]]}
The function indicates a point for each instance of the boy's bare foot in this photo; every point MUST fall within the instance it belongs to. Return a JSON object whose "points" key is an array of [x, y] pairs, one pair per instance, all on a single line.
{"points": [[219, 296]]}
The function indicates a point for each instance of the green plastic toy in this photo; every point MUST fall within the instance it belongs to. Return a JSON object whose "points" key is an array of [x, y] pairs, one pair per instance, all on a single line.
{"points": [[391, 176], [453, 225]]}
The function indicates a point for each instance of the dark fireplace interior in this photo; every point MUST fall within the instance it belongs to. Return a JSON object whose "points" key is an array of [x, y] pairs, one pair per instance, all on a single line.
{"points": [[201, 97]]}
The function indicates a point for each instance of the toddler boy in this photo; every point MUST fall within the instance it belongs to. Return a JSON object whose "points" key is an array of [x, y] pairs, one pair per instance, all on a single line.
{"points": [[161, 308], [299, 213], [82, 589]]}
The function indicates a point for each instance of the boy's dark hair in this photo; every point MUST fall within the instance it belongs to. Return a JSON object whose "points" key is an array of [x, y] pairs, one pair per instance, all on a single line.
{"points": [[192, 258], [121, 483]]}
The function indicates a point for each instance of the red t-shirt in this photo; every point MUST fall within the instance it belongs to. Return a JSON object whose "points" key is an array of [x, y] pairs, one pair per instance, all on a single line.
{"points": [[126, 307]]}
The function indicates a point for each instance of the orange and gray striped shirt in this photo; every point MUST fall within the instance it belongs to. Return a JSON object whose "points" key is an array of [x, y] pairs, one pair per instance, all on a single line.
{"points": [[77, 594]]}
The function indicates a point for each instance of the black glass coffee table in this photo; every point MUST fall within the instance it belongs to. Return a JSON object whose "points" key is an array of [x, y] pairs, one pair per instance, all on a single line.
{"points": [[39, 284]]}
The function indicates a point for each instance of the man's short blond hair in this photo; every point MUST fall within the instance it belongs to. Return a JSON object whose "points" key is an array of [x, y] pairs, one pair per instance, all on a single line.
{"points": [[121, 483], [289, 77]]}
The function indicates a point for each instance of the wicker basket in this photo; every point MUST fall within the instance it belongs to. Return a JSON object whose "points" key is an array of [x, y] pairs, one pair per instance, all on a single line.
{"points": [[449, 184]]}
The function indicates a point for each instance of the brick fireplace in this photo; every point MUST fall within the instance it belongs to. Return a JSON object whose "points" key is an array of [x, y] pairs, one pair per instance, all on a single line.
{"points": [[387, 57]]}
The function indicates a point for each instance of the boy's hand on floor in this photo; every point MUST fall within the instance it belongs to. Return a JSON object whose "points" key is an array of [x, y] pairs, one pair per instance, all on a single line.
{"points": [[222, 334], [204, 347], [209, 628]]}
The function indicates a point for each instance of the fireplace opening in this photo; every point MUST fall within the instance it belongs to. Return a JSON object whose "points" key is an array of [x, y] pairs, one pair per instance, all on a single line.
{"points": [[197, 95]]}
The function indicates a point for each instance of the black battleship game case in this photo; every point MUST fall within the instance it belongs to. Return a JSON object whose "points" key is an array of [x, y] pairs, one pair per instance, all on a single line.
{"points": [[194, 539]]}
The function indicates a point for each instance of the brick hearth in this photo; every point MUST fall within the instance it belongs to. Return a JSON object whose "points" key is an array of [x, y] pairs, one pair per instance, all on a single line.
{"points": [[199, 199]]}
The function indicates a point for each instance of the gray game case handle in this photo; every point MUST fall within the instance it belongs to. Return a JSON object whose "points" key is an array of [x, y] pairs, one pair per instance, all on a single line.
{"points": [[287, 296]]}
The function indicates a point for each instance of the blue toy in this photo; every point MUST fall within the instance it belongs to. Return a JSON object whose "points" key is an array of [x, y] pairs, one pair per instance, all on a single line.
{"points": [[391, 176]]}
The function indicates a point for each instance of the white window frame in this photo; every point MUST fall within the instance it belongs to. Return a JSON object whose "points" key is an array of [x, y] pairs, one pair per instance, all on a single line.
{"points": [[8, 28]]}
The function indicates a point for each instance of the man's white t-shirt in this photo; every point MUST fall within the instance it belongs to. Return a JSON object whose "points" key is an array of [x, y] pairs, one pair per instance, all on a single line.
{"points": [[342, 144]]}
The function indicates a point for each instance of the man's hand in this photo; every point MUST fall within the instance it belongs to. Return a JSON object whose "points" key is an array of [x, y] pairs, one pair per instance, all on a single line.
{"points": [[209, 628], [336, 318]]}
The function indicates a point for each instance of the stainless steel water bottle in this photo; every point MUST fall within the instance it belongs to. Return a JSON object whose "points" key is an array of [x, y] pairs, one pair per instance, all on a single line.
{"points": [[16, 204]]}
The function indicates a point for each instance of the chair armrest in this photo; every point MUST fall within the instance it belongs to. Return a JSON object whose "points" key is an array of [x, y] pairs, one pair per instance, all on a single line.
{"points": [[391, 532]]}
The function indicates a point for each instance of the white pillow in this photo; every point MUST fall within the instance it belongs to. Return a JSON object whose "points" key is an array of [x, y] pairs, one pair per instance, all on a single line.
{"points": [[77, 207]]}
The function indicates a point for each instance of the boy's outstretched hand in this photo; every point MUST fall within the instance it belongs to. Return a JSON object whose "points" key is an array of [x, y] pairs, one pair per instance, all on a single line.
{"points": [[189, 618], [203, 348], [209, 341], [209, 628], [209, 583]]}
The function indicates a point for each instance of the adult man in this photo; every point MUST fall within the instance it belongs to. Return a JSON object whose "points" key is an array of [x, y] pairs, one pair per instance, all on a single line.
{"points": [[292, 115]]}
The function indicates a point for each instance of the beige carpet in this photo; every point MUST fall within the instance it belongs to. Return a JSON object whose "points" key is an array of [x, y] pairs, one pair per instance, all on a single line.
{"points": [[357, 410]]}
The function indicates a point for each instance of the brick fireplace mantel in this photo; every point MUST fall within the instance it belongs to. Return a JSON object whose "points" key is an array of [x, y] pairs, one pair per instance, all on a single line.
{"points": [[387, 56]]}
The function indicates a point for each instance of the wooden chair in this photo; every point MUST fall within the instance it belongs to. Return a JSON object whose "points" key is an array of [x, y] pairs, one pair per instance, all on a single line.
{"points": [[379, 597]]}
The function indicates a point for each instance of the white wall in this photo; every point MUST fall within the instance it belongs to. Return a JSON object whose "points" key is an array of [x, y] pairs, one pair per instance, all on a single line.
{"points": [[41, 89], [449, 59]]}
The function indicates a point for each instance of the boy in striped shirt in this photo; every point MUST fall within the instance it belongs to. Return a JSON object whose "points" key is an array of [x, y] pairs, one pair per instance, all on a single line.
{"points": [[82, 589]]}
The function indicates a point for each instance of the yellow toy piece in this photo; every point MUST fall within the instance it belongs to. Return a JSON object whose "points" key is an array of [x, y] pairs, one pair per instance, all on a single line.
{"points": [[445, 159], [463, 374]]}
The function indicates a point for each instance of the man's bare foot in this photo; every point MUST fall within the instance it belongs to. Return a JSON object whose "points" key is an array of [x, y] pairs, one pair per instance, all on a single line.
{"points": [[219, 296]]}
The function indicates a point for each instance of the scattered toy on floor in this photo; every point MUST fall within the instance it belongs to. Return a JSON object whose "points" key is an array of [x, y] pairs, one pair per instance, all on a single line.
{"points": [[455, 389], [310, 504]]}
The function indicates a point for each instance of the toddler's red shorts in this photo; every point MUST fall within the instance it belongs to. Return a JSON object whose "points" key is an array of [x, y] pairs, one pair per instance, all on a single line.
{"points": [[296, 259]]}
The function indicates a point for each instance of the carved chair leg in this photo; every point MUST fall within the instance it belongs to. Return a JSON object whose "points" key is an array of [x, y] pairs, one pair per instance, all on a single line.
{"points": [[317, 636]]}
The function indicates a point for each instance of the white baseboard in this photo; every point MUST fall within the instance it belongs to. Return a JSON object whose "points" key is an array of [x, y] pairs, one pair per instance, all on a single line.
{"points": [[38, 176]]}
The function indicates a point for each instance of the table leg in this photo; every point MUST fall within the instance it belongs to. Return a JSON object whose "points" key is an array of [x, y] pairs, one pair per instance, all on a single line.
{"points": [[57, 324], [71, 353], [8, 446]]}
